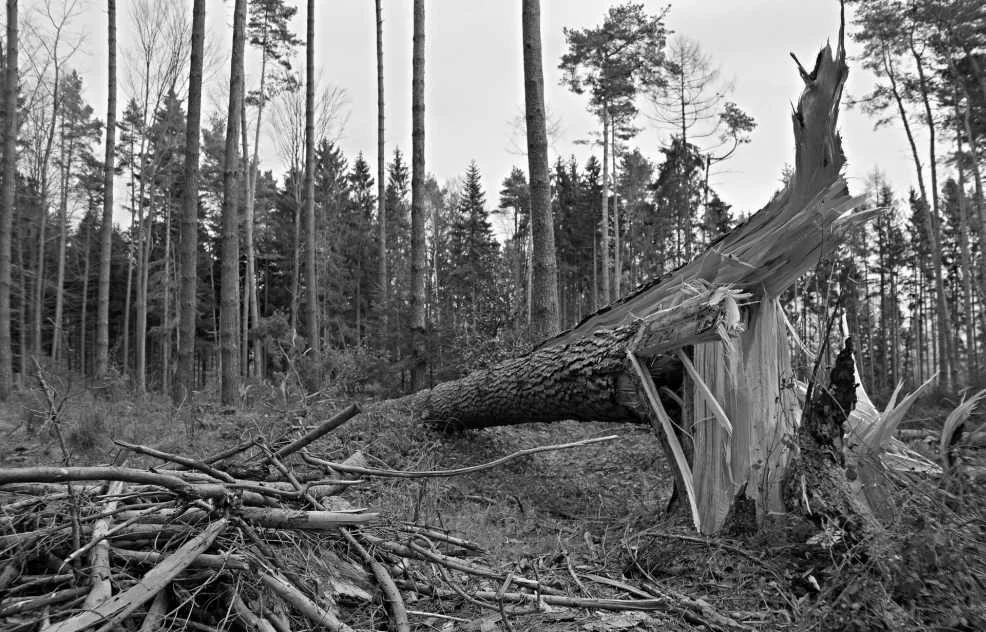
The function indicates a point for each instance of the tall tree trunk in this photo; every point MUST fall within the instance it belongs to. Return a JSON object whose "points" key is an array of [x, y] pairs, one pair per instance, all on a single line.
{"points": [[66, 169], [945, 352], [140, 300], [130, 269], [311, 278], [229, 310], [617, 258], [383, 280], [418, 265], [967, 268], [185, 381], [106, 228], [84, 306], [7, 204], [248, 283], [604, 220], [544, 293], [166, 303], [252, 174], [39, 282]]}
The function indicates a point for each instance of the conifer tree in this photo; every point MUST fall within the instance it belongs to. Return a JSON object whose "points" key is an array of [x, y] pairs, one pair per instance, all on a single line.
{"points": [[7, 201], [106, 232]]}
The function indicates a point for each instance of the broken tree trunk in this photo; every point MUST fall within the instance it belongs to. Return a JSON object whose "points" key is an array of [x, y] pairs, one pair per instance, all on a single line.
{"points": [[716, 320]]}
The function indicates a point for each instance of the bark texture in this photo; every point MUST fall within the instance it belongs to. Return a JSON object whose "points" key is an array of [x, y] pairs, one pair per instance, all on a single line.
{"points": [[311, 280], [585, 380], [106, 230], [382, 278], [418, 264], [544, 293], [229, 308], [7, 203], [190, 207]]}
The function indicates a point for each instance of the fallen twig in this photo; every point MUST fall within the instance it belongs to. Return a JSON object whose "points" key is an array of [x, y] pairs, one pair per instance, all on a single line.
{"points": [[118, 606], [322, 429], [369, 471], [176, 458], [316, 614]]}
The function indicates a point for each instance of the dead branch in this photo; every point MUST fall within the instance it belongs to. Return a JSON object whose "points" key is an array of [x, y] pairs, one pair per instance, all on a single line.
{"points": [[368, 471]]}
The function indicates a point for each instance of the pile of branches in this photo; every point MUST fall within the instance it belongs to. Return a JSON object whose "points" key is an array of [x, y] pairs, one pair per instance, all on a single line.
{"points": [[247, 536]]}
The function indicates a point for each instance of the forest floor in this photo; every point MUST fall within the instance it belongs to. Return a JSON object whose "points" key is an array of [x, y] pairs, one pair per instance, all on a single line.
{"points": [[588, 521]]}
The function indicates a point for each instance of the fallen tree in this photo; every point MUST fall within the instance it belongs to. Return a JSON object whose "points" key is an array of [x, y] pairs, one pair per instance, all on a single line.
{"points": [[703, 353]]}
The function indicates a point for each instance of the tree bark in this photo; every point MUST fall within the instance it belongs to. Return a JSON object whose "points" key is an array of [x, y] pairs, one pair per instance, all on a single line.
{"points": [[311, 279], [544, 286], [383, 280], [945, 352], [7, 204], [418, 265], [65, 151], [229, 310], [185, 379], [587, 380], [39, 281], [106, 228], [604, 220]]}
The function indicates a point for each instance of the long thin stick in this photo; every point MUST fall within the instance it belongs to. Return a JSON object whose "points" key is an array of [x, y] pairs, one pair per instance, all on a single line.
{"points": [[340, 418], [368, 471], [177, 458], [394, 600]]}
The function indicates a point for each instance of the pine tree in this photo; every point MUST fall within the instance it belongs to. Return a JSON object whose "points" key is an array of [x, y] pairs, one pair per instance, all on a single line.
{"points": [[106, 233], [10, 94], [418, 328], [544, 311], [189, 219], [229, 311]]}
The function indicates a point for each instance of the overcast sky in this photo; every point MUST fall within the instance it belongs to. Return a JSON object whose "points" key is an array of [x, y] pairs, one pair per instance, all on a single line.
{"points": [[474, 81]]}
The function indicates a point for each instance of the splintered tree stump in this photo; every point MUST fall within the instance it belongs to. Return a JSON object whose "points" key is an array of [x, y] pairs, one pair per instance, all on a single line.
{"points": [[815, 484], [722, 310]]}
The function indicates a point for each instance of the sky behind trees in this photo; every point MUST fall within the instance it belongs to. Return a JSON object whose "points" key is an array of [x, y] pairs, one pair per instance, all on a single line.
{"points": [[474, 86]]}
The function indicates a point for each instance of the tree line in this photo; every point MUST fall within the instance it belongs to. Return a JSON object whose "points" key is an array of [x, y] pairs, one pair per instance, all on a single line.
{"points": [[363, 269]]}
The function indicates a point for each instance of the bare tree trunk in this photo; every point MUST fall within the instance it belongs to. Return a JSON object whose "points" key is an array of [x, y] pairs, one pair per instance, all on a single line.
{"points": [[7, 204], [945, 352], [251, 265], [544, 311], [185, 381], [229, 310], [311, 279], [143, 272], [248, 282], [84, 307], [66, 169], [383, 280], [419, 362], [617, 258], [39, 282], [130, 268], [106, 228], [967, 269], [604, 220], [166, 304]]}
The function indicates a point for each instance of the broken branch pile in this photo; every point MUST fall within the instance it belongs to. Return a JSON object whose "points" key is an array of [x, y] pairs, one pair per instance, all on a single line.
{"points": [[190, 545]]}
